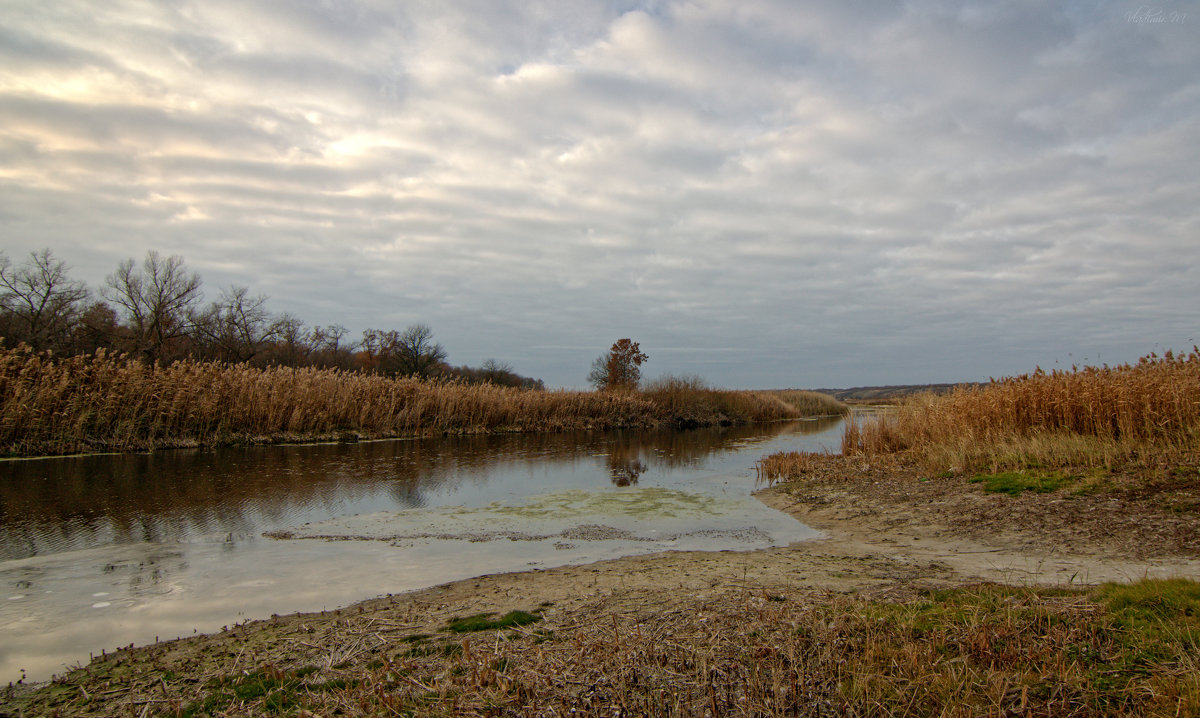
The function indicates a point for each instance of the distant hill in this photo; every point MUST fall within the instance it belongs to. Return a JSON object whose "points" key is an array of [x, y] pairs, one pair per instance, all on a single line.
{"points": [[887, 393]]}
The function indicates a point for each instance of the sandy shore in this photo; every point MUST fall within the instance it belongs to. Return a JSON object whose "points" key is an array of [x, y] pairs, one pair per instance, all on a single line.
{"points": [[882, 530]]}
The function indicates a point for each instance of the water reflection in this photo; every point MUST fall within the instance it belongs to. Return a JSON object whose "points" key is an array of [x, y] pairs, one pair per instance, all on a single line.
{"points": [[624, 461], [55, 505], [101, 551]]}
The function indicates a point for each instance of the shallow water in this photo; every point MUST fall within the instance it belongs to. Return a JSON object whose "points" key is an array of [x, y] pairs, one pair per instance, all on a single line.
{"points": [[98, 552]]}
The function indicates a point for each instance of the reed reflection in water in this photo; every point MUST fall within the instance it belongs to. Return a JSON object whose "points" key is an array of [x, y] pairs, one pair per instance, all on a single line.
{"points": [[67, 504]]}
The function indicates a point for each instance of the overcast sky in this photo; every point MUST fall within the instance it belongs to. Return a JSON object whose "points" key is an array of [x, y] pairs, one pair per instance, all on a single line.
{"points": [[765, 194]]}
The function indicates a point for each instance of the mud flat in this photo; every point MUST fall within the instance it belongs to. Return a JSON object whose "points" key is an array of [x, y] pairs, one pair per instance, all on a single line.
{"points": [[701, 632]]}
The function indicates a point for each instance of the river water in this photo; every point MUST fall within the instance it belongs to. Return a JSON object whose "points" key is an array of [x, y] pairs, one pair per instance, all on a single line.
{"points": [[98, 552]]}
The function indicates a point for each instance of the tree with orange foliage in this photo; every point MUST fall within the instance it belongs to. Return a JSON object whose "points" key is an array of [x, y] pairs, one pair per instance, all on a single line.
{"points": [[619, 368]]}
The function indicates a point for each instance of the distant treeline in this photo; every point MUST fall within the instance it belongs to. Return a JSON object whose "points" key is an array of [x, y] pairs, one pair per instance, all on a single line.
{"points": [[155, 312]]}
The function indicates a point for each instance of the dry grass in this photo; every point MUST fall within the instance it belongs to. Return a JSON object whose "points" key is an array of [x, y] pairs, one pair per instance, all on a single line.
{"points": [[1083, 417], [106, 403], [690, 401], [745, 651], [787, 466]]}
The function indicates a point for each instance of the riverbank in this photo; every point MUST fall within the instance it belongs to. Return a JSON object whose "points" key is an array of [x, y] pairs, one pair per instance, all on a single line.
{"points": [[887, 614], [102, 403]]}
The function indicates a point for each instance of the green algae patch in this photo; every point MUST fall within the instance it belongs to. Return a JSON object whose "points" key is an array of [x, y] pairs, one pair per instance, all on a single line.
{"points": [[557, 514], [649, 502]]}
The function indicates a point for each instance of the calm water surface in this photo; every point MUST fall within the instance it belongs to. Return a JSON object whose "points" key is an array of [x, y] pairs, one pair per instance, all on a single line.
{"points": [[101, 551]]}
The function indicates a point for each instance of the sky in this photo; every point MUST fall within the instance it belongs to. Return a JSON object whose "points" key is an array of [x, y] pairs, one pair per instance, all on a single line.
{"points": [[763, 194]]}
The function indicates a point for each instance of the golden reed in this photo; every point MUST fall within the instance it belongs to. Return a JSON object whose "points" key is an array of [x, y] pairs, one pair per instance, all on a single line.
{"points": [[1090, 415], [104, 402]]}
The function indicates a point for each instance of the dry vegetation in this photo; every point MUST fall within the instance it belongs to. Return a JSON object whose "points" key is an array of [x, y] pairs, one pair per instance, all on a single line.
{"points": [[689, 401], [1084, 417], [1114, 451], [771, 647], [1095, 459], [112, 403], [975, 650]]}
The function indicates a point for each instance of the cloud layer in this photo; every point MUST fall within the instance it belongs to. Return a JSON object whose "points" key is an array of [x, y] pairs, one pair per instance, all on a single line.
{"points": [[762, 194]]}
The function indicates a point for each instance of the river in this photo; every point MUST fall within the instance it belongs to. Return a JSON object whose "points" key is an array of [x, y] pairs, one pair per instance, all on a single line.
{"points": [[98, 552]]}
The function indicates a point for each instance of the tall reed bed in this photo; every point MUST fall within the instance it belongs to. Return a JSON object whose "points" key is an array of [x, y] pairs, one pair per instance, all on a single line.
{"points": [[1086, 415], [105, 402], [689, 400]]}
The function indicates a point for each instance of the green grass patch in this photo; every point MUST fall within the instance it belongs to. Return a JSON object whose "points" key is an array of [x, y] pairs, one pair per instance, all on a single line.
{"points": [[278, 691], [1156, 624], [1015, 483], [333, 684], [485, 622], [1154, 603], [261, 683], [212, 704], [279, 702], [418, 650], [415, 638], [1120, 640]]}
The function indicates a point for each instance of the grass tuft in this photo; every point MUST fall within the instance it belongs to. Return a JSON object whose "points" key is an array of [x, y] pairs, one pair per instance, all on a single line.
{"points": [[1015, 483], [484, 622]]}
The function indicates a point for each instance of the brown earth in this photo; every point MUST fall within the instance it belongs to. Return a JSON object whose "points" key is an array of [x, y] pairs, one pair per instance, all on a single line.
{"points": [[888, 532]]}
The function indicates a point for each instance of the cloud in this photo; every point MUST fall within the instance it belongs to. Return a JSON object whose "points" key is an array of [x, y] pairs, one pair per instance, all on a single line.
{"points": [[848, 193]]}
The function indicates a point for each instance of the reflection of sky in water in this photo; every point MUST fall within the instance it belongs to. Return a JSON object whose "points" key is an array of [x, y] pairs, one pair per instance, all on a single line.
{"points": [[101, 551]]}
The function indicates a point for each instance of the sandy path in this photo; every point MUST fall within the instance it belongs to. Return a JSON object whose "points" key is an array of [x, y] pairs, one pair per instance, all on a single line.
{"points": [[902, 535]]}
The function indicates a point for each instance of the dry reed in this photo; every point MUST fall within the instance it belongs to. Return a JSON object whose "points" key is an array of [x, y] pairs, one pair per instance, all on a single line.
{"points": [[104, 403], [689, 400], [1085, 416], [784, 466]]}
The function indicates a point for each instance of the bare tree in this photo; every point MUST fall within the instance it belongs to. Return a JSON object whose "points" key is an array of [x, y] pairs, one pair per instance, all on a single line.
{"points": [[291, 342], [373, 346], [409, 353], [495, 371], [236, 327], [417, 353], [40, 303], [97, 328], [327, 348], [329, 338], [157, 301]]}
